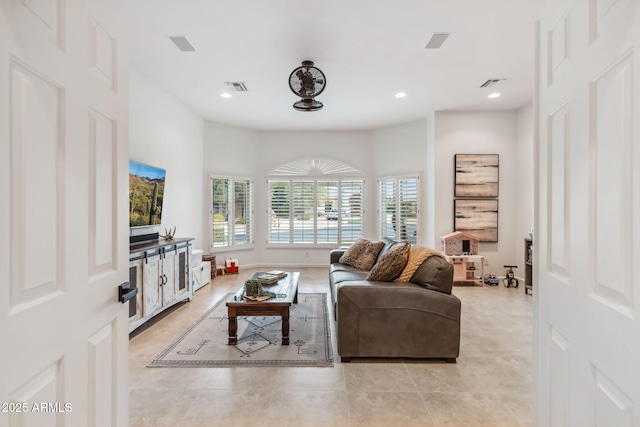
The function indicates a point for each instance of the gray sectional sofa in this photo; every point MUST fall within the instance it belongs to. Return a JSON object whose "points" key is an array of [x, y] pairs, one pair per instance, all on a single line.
{"points": [[415, 319]]}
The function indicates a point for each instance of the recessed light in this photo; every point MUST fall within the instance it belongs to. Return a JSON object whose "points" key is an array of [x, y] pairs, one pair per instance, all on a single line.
{"points": [[494, 95], [400, 95], [225, 95]]}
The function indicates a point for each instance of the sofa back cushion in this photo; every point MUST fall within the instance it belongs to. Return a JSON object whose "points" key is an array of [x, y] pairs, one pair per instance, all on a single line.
{"points": [[391, 263], [435, 273], [388, 242], [362, 254]]}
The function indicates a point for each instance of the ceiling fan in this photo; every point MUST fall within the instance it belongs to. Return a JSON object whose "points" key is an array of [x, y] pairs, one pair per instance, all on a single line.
{"points": [[307, 82]]}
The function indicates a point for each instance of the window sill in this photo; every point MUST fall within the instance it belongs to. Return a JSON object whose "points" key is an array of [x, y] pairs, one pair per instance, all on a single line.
{"points": [[219, 249], [323, 246]]}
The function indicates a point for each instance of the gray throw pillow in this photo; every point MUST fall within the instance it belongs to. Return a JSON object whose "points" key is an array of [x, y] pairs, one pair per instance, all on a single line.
{"points": [[362, 254], [391, 263]]}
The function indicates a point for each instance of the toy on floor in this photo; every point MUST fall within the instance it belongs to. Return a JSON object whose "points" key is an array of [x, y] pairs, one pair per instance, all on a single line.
{"points": [[510, 278], [491, 279]]}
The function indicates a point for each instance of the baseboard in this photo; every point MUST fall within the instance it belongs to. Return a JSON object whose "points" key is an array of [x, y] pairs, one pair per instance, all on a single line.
{"points": [[271, 266]]}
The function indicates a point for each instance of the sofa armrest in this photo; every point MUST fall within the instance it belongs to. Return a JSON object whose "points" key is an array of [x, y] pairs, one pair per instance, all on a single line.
{"points": [[335, 254]]}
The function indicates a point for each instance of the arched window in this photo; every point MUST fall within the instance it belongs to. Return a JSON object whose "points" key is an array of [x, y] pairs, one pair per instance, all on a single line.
{"points": [[315, 201]]}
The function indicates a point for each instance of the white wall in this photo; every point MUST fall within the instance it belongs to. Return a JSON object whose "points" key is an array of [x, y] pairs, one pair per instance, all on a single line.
{"points": [[524, 180], [425, 146], [163, 132], [235, 151], [402, 150], [228, 151], [479, 133]]}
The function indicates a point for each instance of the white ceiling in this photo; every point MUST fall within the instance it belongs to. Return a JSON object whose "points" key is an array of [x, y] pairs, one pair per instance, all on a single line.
{"points": [[368, 50]]}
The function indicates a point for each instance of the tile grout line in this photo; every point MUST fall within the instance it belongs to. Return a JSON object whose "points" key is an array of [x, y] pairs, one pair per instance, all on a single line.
{"points": [[435, 423]]}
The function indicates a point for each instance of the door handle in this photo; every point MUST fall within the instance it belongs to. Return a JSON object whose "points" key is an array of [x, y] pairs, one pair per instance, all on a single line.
{"points": [[126, 292]]}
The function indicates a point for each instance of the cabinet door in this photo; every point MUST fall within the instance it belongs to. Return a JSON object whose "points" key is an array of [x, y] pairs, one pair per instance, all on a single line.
{"points": [[182, 273], [135, 280], [151, 285], [168, 277]]}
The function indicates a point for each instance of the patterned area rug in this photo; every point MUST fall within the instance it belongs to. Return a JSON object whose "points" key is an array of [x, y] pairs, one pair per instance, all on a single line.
{"points": [[259, 339]]}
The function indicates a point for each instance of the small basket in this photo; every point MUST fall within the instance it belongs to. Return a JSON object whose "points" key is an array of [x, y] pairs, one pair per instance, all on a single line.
{"points": [[212, 259]]}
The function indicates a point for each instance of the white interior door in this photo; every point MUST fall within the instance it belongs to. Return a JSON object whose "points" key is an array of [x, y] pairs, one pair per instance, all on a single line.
{"points": [[63, 171], [587, 289]]}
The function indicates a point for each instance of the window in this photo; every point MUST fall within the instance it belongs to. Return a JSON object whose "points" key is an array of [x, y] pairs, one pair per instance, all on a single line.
{"points": [[231, 212], [315, 211], [398, 208]]}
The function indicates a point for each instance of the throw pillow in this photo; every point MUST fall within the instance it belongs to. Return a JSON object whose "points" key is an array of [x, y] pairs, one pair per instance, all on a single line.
{"points": [[391, 263], [362, 254]]}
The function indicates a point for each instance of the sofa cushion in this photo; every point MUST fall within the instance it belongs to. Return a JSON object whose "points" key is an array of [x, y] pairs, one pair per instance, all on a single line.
{"points": [[435, 273], [348, 276], [417, 256], [391, 264], [344, 267], [388, 242], [362, 254]]}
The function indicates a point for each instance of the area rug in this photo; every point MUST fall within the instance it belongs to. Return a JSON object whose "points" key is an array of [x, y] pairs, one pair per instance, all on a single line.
{"points": [[205, 344]]}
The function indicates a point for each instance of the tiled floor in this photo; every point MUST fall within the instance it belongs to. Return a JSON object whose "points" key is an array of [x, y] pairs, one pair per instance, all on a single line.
{"points": [[489, 386]]}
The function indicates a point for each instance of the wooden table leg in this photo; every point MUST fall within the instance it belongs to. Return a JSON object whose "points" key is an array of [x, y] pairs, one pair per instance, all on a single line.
{"points": [[285, 327], [233, 330]]}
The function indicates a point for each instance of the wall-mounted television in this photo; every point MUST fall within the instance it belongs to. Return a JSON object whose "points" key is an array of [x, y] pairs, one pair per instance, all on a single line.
{"points": [[146, 194]]}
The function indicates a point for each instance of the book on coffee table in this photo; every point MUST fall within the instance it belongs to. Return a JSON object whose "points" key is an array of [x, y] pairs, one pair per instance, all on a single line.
{"points": [[279, 273], [265, 278]]}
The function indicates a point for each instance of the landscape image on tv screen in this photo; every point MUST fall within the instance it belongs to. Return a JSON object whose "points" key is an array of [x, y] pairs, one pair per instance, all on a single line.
{"points": [[146, 194]]}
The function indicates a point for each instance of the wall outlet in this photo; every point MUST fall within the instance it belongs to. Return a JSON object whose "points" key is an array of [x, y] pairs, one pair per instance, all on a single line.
{"points": [[486, 262], [306, 254]]}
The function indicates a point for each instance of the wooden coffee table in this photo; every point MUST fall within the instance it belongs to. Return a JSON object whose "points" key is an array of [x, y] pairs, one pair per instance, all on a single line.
{"points": [[286, 290]]}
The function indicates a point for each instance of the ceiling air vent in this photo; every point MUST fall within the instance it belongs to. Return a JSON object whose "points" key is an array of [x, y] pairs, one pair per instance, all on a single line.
{"points": [[490, 82], [236, 86], [183, 44], [436, 40]]}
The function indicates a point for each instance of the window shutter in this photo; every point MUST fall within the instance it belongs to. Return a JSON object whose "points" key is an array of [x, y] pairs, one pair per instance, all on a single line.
{"points": [[407, 209], [398, 200], [242, 210], [231, 212], [351, 210], [279, 207], [220, 212], [315, 211], [327, 210], [387, 208], [303, 212]]}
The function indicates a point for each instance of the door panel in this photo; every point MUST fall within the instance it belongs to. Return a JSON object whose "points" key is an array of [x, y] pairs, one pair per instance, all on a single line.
{"points": [[63, 169], [102, 197], [37, 224], [587, 299], [152, 285], [169, 274]]}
